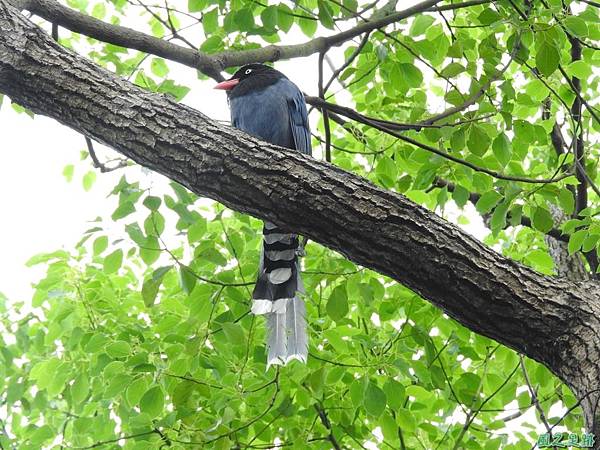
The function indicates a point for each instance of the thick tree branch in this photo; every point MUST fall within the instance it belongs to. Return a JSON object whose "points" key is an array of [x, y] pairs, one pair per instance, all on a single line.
{"points": [[554, 321]]}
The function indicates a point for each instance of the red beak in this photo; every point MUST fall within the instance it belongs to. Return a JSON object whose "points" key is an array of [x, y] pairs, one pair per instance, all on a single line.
{"points": [[227, 84]]}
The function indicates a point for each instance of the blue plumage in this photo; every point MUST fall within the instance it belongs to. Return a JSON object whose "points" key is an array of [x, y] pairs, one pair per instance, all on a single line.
{"points": [[276, 114], [266, 104]]}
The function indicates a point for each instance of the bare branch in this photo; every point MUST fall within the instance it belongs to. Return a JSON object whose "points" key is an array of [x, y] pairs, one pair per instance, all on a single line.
{"points": [[382, 126], [211, 65]]}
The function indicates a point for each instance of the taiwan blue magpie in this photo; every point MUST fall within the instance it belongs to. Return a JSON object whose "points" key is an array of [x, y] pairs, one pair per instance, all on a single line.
{"points": [[266, 104]]}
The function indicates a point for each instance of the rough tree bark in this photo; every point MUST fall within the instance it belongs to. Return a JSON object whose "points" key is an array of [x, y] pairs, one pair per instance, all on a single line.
{"points": [[552, 320]]}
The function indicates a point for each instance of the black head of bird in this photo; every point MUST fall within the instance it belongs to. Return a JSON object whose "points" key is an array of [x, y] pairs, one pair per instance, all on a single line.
{"points": [[251, 77]]}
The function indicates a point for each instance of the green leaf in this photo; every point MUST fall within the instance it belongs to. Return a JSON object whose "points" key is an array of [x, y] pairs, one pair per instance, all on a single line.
{"points": [[540, 260], [187, 279], [567, 201], [487, 201], [478, 141], [501, 149], [152, 285], [159, 67], [576, 241], [357, 391], [100, 244], [235, 333], [88, 180], [41, 435], [453, 69], [112, 262], [117, 385], [285, 19], [326, 15], [158, 30], [210, 21], [152, 203], [43, 372], [113, 369], [80, 388], [269, 17], [375, 400], [136, 390], [45, 257], [337, 305], [118, 349], [467, 386], [579, 69], [460, 195], [307, 26], [576, 26], [99, 11], [386, 170], [406, 420], [197, 230], [411, 75], [212, 44], [420, 24], [68, 172], [542, 220], [196, 5], [175, 90], [96, 343], [245, 19], [22, 110], [547, 58], [498, 221], [150, 251], [394, 392], [389, 428], [123, 210], [590, 242], [488, 16], [214, 256], [153, 402]]}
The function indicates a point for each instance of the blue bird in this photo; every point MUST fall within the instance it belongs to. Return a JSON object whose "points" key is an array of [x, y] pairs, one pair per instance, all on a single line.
{"points": [[266, 104]]}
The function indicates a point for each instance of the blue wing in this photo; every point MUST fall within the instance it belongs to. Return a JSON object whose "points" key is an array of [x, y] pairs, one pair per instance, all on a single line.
{"points": [[299, 121]]}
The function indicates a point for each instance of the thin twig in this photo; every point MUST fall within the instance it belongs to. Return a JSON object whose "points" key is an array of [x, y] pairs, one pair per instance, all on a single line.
{"points": [[96, 162], [533, 395], [349, 61], [324, 111], [327, 424]]}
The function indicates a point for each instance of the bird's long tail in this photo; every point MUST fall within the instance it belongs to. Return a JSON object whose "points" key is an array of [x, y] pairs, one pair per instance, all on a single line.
{"points": [[276, 295]]}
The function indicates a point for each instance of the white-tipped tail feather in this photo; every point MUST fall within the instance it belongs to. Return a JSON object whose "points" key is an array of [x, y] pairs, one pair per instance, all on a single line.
{"points": [[287, 334], [277, 295]]}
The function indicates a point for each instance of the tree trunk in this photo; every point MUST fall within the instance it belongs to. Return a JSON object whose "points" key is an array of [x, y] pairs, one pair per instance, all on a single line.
{"points": [[552, 320]]}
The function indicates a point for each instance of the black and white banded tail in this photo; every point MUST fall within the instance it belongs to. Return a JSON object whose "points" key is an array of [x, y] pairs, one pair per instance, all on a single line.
{"points": [[277, 296]]}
